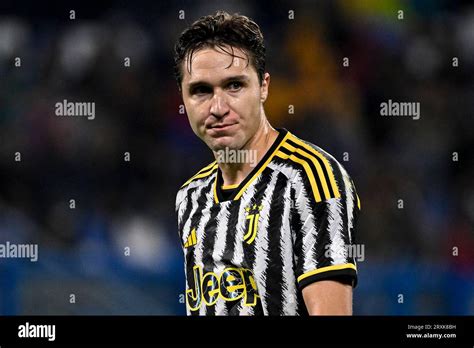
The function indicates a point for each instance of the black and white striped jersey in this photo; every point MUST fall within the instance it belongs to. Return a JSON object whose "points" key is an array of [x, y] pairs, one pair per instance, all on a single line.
{"points": [[290, 223]]}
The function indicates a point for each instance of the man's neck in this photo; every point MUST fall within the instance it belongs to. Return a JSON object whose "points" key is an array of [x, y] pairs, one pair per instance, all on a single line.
{"points": [[256, 148]]}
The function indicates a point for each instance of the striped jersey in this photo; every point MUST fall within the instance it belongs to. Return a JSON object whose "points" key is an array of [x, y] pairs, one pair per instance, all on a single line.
{"points": [[251, 251]]}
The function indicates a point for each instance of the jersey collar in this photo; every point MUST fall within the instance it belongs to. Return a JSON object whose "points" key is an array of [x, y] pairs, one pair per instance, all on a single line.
{"points": [[262, 164]]}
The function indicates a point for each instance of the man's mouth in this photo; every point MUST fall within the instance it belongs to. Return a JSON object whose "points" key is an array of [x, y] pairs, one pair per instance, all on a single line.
{"points": [[222, 125], [219, 127]]}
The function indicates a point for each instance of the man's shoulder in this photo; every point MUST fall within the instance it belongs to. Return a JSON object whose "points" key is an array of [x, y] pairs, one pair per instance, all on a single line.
{"points": [[300, 143], [196, 180], [312, 164], [200, 176]]}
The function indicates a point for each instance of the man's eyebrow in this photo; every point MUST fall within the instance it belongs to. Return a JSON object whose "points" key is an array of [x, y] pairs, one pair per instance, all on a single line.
{"points": [[223, 82], [235, 78]]}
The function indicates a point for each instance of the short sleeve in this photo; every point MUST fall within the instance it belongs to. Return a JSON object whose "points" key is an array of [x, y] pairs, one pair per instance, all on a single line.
{"points": [[323, 226]]}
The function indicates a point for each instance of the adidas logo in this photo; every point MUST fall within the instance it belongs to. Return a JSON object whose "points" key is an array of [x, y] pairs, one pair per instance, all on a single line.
{"points": [[192, 240]]}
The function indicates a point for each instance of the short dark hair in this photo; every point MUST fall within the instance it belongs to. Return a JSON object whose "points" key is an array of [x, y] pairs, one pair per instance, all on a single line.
{"points": [[221, 30]]}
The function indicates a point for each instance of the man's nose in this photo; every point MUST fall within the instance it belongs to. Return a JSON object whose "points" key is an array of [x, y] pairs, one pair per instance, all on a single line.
{"points": [[219, 106]]}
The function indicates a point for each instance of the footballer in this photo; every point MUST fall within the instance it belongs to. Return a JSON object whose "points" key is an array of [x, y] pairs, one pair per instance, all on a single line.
{"points": [[268, 236]]}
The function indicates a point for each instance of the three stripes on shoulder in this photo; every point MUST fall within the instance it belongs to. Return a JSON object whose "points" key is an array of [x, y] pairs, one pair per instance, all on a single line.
{"points": [[192, 239], [316, 166]]}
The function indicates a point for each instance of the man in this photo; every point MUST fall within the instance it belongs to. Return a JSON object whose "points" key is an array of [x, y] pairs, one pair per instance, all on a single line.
{"points": [[268, 236]]}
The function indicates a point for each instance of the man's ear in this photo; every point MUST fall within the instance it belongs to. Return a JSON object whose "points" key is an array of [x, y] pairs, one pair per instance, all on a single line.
{"points": [[264, 87]]}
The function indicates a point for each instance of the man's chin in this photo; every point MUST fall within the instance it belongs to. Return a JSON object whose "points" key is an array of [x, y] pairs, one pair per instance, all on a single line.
{"points": [[223, 148], [222, 143]]}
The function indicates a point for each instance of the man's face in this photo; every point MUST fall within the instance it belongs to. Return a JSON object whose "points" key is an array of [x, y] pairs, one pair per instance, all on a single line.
{"points": [[223, 98]]}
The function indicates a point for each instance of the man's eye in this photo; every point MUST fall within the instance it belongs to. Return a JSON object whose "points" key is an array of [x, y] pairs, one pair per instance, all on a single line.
{"points": [[201, 90], [235, 85]]}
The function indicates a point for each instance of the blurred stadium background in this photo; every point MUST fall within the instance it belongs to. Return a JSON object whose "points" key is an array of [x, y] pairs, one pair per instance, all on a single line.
{"points": [[123, 204]]}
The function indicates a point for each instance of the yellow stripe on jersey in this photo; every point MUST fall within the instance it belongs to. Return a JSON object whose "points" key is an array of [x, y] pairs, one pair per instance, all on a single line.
{"points": [[229, 187], [309, 173], [325, 161], [209, 166], [262, 167], [316, 165], [206, 171], [327, 269], [191, 240], [216, 200], [193, 235]]}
